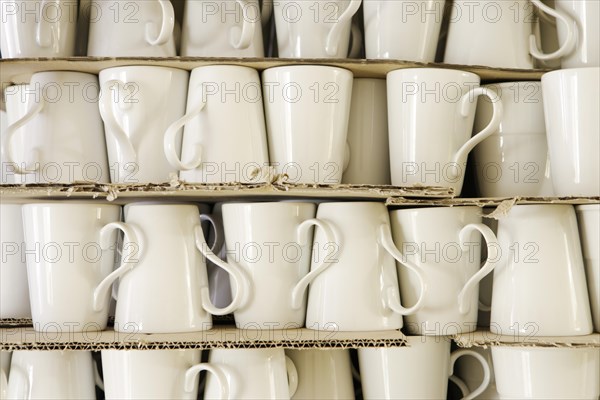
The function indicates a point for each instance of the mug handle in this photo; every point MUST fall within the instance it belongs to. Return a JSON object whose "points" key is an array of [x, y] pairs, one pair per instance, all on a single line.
{"points": [[9, 135], [391, 292], [347, 154], [248, 28], [44, 32], [192, 373], [463, 303], [168, 23], [484, 364], [292, 374], [302, 235], [462, 386], [108, 116], [131, 239], [242, 283], [331, 44], [569, 43], [97, 379], [497, 114], [356, 38], [171, 133]]}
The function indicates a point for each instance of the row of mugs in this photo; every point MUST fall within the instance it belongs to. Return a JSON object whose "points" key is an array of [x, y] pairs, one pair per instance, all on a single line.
{"points": [[421, 370], [488, 32], [311, 124], [417, 269]]}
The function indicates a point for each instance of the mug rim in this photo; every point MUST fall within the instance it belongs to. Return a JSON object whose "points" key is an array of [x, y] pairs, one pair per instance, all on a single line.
{"points": [[450, 71], [308, 67], [568, 71]]}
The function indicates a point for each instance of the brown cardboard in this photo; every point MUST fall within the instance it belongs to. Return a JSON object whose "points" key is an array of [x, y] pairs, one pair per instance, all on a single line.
{"points": [[218, 337], [502, 204], [483, 338], [214, 192], [14, 71]]}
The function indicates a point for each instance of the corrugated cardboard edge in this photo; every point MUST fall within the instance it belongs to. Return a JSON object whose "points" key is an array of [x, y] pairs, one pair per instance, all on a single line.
{"points": [[485, 339], [502, 204], [218, 337], [14, 71], [276, 189]]}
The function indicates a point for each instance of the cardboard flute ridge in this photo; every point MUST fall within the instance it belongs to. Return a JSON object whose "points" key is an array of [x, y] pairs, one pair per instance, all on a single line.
{"points": [[19, 70], [502, 204], [485, 338], [218, 337], [181, 190]]}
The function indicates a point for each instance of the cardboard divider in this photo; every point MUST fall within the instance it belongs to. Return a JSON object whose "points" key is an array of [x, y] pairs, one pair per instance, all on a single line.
{"points": [[484, 338], [214, 192], [218, 337], [503, 203], [13, 71]]}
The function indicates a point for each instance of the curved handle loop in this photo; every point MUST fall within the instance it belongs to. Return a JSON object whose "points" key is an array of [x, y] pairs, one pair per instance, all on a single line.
{"points": [[9, 135], [242, 283], [570, 41], [356, 39], [192, 373], [248, 28], [292, 374], [106, 105], [171, 133], [44, 34], [392, 295], [462, 386], [302, 236], [333, 38], [167, 26], [129, 260], [484, 364], [97, 378], [464, 305], [460, 156]]}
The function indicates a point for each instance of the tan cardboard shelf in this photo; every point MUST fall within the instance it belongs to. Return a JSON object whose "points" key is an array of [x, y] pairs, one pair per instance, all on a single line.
{"points": [[182, 191], [502, 203], [219, 337], [14, 71], [484, 338]]}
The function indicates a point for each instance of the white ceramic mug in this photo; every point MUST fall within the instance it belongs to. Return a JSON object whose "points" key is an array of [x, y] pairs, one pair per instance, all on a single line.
{"points": [[130, 95], [322, 373], [443, 242], [540, 242], [224, 139], [275, 260], [546, 372], [126, 28], [155, 374], [307, 109], [573, 138], [253, 374], [369, 161], [229, 28], [501, 33], [171, 264], [50, 148], [417, 371], [468, 374], [359, 291], [588, 218], [38, 374], [3, 125], [5, 357], [37, 28], [514, 160], [402, 29], [431, 114], [14, 290], [585, 20], [70, 255], [319, 29]]}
